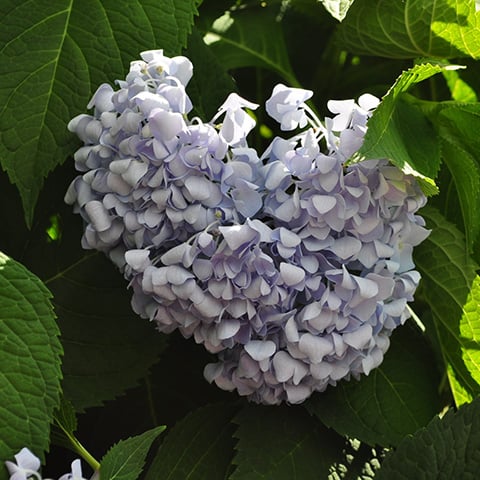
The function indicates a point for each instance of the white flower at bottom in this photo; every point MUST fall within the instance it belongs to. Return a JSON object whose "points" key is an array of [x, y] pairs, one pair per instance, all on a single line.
{"points": [[26, 466], [76, 472]]}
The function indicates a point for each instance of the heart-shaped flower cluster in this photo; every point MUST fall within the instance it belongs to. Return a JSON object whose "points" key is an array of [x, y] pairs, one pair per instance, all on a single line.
{"points": [[292, 266]]}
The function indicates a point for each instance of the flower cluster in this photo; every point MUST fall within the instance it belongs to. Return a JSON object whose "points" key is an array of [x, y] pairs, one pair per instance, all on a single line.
{"points": [[26, 467], [293, 266], [152, 178]]}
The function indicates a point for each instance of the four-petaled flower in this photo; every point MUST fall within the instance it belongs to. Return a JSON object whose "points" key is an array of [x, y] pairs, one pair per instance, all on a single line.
{"points": [[27, 466]]}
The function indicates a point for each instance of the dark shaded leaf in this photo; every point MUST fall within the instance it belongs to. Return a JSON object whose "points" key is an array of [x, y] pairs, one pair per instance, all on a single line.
{"points": [[198, 447], [391, 402], [466, 177], [107, 346], [458, 128], [210, 84], [283, 443], [447, 448], [251, 39]]}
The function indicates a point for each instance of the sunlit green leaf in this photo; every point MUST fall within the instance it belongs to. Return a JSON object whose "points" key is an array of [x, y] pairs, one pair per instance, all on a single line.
{"points": [[452, 289], [412, 28], [461, 91], [393, 128], [447, 448], [391, 402], [30, 354]]}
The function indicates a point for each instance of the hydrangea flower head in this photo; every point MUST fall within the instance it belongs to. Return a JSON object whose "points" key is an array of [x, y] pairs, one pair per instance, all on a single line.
{"points": [[291, 265]]}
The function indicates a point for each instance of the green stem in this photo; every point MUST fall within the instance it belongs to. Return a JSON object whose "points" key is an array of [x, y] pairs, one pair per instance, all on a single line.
{"points": [[80, 449], [63, 272], [151, 405]]}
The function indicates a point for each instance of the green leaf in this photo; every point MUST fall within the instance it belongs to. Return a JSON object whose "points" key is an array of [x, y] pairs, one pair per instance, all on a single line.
{"points": [[107, 346], [65, 416], [44, 79], [412, 29], [466, 176], [462, 121], [171, 22], [54, 56], [164, 24], [64, 429], [210, 84], [29, 361], [396, 399], [283, 443], [337, 8], [460, 90], [126, 459], [452, 289], [393, 128], [251, 39], [65, 424], [458, 126], [447, 448], [198, 447]]}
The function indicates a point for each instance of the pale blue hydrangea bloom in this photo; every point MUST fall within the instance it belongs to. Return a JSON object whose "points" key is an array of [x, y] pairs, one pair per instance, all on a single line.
{"points": [[292, 266], [152, 177]]}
